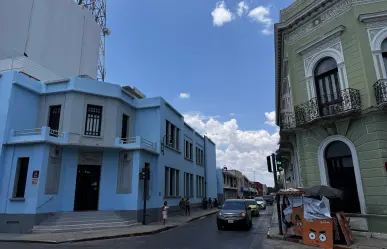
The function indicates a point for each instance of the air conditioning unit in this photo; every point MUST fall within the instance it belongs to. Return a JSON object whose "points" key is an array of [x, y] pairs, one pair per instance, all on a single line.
{"points": [[55, 151]]}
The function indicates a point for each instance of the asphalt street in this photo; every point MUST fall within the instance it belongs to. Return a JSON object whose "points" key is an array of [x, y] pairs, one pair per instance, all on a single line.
{"points": [[200, 234]]}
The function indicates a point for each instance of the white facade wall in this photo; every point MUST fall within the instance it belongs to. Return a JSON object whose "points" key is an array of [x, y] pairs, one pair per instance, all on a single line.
{"points": [[57, 34]]}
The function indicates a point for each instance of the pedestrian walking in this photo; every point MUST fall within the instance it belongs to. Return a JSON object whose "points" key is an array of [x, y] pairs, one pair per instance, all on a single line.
{"points": [[187, 207], [204, 203], [209, 202], [215, 202], [164, 212], [182, 206]]}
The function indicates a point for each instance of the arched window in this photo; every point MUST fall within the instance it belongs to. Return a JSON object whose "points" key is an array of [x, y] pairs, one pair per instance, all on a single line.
{"points": [[384, 54], [327, 85]]}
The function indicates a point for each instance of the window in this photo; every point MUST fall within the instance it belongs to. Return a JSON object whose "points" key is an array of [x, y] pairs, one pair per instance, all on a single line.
{"points": [[199, 186], [199, 156], [188, 185], [21, 177], [384, 54], [93, 120], [172, 182], [125, 126], [327, 85], [188, 150], [172, 136], [124, 174], [53, 119]]}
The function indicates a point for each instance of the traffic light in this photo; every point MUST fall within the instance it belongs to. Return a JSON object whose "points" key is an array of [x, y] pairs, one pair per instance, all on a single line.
{"points": [[268, 164], [279, 163]]}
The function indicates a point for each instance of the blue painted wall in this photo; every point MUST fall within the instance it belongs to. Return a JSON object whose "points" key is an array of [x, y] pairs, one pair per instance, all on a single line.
{"points": [[210, 164], [19, 108], [38, 155]]}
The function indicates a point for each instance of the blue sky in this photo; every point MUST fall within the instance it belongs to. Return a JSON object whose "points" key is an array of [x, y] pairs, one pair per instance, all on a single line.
{"points": [[224, 61]]}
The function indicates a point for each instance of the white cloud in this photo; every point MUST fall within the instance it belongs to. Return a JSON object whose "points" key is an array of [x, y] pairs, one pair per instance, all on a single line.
{"points": [[184, 95], [238, 149], [261, 15], [270, 118], [232, 114], [242, 8], [221, 14]]}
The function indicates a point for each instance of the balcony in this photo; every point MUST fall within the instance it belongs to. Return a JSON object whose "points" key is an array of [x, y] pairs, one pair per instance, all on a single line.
{"points": [[380, 88], [35, 135], [288, 120], [337, 104], [136, 143]]}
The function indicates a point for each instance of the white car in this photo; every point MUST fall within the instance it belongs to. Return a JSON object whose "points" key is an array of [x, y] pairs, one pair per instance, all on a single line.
{"points": [[261, 202]]}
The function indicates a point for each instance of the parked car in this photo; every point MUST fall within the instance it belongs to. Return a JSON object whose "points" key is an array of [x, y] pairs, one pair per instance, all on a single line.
{"points": [[254, 207], [261, 202], [234, 213], [269, 199]]}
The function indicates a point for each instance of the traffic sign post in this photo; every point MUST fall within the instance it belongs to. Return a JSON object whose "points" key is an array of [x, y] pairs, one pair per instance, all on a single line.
{"points": [[145, 175]]}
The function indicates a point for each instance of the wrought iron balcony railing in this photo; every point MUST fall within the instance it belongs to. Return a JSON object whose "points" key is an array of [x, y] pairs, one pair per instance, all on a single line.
{"points": [[380, 88], [347, 100], [288, 120]]}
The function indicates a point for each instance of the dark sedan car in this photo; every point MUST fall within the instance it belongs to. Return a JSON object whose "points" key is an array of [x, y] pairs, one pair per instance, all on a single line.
{"points": [[269, 199], [234, 213]]}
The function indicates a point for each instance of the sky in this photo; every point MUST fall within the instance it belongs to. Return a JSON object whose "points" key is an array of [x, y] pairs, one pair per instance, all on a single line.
{"points": [[212, 60]]}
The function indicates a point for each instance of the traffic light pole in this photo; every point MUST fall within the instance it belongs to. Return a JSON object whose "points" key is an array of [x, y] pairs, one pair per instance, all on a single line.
{"points": [[144, 213], [277, 195], [274, 172]]}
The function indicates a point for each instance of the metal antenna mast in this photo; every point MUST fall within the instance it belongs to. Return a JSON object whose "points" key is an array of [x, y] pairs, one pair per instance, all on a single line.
{"points": [[98, 9]]}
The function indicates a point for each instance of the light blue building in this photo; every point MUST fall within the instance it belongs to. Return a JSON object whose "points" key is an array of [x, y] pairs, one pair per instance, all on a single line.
{"points": [[79, 145]]}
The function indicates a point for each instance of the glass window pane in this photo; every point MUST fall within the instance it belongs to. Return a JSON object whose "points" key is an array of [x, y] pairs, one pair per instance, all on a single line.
{"points": [[325, 65], [384, 46]]}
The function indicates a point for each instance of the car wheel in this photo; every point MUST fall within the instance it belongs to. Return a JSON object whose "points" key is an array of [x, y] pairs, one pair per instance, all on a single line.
{"points": [[220, 227]]}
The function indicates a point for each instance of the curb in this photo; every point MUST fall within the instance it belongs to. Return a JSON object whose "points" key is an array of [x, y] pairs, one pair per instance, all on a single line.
{"points": [[92, 239], [107, 236]]}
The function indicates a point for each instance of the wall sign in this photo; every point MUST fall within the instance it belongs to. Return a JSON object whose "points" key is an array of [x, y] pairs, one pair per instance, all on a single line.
{"points": [[35, 176]]}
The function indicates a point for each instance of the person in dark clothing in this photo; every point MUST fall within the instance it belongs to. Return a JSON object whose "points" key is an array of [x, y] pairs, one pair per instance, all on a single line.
{"points": [[204, 203], [215, 202], [182, 205], [209, 202], [187, 207]]}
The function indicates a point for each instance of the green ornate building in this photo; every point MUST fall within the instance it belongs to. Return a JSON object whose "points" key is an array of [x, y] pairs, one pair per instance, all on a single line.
{"points": [[331, 102]]}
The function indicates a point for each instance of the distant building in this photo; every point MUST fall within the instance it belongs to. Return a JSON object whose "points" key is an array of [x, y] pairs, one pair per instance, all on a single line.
{"points": [[259, 187], [79, 145]]}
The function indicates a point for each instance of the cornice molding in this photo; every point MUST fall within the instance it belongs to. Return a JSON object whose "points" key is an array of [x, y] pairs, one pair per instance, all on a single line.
{"points": [[372, 17], [326, 16], [320, 41]]}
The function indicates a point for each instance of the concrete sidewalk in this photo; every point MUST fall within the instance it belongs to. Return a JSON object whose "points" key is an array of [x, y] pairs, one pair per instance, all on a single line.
{"points": [[360, 241], [138, 230]]}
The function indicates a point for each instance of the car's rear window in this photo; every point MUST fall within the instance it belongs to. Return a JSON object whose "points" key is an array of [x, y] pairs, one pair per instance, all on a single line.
{"points": [[234, 205], [251, 203]]}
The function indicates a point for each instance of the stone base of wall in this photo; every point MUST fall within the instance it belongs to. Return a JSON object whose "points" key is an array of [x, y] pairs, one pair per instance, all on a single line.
{"points": [[19, 223]]}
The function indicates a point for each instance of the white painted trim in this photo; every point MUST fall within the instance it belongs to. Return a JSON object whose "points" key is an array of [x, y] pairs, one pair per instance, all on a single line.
{"points": [[376, 66], [376, 45], [329, 52], [323, 169], [327, 36]]}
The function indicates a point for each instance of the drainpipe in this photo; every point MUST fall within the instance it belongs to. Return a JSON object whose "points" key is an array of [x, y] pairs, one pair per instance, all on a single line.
{"points": [[205, 168]]}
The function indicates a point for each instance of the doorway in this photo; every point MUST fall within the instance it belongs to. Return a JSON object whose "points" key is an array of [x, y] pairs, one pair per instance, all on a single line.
{"points": [[341, 175], [87, 188]]}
